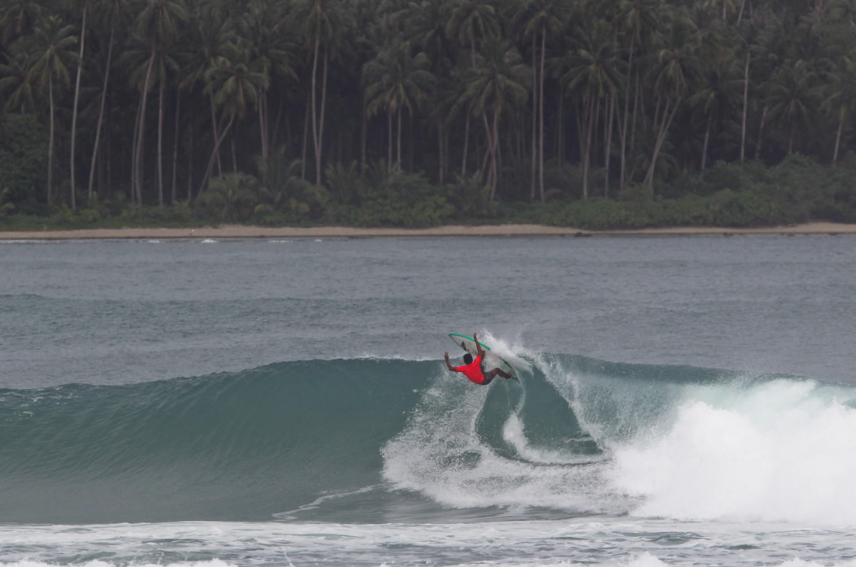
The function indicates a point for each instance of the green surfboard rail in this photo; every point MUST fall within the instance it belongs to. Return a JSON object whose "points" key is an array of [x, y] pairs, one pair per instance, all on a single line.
{"points": [[453, 335]]}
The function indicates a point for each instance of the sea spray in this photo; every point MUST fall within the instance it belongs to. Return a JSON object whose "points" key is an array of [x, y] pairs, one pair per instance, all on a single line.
{"points": [[783, 451]]}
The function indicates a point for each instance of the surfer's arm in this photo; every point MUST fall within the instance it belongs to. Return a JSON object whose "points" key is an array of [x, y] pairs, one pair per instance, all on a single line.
{"points": [[479, 350], [449, 364]]}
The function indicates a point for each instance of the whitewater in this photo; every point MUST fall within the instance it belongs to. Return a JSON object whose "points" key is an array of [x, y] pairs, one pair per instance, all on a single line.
{"points": [[683, 401]]}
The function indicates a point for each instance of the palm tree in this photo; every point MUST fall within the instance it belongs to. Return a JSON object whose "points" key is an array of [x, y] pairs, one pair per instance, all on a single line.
{"points": [[321, 23], [428, 20], [640, 19], [396, 80], [676, 70], [164, 67], [157, 25], [750, 36], [208, 40], [716, 97], [18, 84], [471, 21], [594, 72], [53, 48], [85, 10], [261, 28], [18, 18], [792, 99], [840, 96], [534, 19], [428, 26], [235, 86], [230, 196], [114, 15], [498, 87], [281, 187]]}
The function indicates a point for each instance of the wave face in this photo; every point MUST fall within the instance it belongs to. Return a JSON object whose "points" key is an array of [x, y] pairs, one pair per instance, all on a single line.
{"points": [[237, 446], [366, 440]]}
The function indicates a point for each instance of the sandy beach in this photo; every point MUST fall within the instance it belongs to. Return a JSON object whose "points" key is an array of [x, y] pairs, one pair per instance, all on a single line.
{"points": [[240, 231]]}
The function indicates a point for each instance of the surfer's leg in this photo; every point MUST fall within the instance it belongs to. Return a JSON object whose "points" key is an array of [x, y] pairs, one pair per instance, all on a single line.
{"points": [[502, 373], [491, 374]]}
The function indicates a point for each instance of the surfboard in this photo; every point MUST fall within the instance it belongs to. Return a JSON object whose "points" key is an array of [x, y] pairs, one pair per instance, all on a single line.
{"points": [[469, 345]]}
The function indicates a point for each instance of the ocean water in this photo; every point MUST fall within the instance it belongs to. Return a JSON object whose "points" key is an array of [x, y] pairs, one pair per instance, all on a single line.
{"points": [[682, 401]]}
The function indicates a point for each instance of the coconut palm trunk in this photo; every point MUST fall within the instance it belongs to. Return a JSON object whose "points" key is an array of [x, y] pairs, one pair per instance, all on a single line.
{"points": [[841, 116], [134, 140], [263, 124], [318, 122], [704, 150], [189, 161], [466, 146], [587, 158], [160, 145], [305, 142], [608, 148], [560, 131], [626, 115], [534, 118], [740, 15], [661, 137], [495, 151], [389, 140], [210, 169], [101, 110], [175, 146], [76, 100], [541, 113], [440, 150], [488, 135], [216, 132], [745, 106], [141, 136], [51, 143], [636, 96], [398, 157], [363, 136], [760, 133]]}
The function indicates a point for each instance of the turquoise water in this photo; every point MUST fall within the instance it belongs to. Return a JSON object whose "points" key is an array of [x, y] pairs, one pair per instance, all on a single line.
{"points": [[284, 402]]}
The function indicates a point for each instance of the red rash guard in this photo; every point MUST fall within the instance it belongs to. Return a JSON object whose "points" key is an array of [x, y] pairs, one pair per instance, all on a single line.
{"points": [[472, 371]]}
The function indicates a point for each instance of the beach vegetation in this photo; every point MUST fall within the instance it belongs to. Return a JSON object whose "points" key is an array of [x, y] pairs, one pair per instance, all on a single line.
{"points": [[586, 113]]}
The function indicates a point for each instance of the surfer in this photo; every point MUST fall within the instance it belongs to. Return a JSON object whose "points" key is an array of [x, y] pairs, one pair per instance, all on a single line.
{"points": [[473, 368]]}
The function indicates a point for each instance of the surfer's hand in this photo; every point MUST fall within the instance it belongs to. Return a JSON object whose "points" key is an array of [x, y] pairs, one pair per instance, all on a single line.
{"points": [[446, 356]]}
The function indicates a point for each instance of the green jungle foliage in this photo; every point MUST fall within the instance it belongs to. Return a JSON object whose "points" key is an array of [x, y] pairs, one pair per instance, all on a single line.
{"points": [[590, 113]]}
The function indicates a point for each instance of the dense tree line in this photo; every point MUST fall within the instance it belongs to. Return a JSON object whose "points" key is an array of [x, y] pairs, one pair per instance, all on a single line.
{"points": [[265, 107]]}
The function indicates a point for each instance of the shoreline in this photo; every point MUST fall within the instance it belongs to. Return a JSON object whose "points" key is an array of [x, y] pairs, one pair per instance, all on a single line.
{"points": [[247, 232]]}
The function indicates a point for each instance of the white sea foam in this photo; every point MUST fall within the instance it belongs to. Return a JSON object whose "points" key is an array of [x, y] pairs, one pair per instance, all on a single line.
{"points": [[603, 541], [97, 563], [441, 456], [513, 351], [781, 451], [514, 434]]}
